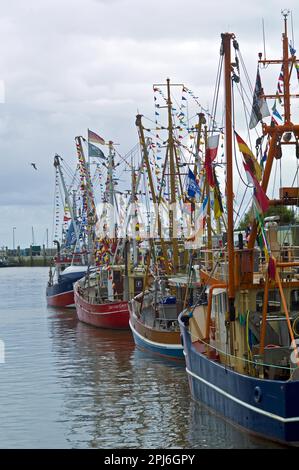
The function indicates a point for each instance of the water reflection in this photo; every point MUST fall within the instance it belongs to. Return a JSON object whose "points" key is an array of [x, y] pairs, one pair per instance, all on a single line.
{"points": [[66, 384], [208, 430], [117, 396]]}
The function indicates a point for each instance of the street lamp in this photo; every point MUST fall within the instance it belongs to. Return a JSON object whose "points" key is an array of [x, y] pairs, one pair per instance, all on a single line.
{"points": [[13, 237]]}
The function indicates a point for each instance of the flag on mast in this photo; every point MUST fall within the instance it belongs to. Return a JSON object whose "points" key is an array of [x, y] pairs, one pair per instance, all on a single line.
{"points": [[249, 158], [254, 175], [259, 105], [211, 153], [94, 151], [193, 189], [95, 138]]}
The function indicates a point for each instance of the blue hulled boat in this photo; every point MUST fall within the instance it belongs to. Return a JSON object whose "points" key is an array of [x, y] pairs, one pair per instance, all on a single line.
{"points": [[240, 336]]}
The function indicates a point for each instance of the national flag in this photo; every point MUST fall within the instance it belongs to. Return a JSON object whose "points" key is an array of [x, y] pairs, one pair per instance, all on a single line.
{"points": [[192, 186], [94, 151], [95, 138], [249, 158], [259, 104], [212, 146], [211, 152]]}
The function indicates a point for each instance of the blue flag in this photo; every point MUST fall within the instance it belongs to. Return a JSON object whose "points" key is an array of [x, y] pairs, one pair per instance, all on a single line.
{"points": [[192, 186], [70, 238], [94, 151]]}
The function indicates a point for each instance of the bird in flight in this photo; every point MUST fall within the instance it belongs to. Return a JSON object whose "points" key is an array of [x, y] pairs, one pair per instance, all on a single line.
{"points": [[34, 166]]}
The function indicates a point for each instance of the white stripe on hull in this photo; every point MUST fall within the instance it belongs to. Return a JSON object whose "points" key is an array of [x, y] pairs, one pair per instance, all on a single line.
{"points": [[243, 403], [162, 345]]}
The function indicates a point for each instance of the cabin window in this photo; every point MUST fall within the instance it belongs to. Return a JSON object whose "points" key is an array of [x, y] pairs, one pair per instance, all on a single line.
{"points": [[273, 301], [219, 304], [222, 303], [294, 305]]}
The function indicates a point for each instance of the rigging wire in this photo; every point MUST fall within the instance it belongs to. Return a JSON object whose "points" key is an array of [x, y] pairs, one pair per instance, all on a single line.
{"points": [[212, 123]]}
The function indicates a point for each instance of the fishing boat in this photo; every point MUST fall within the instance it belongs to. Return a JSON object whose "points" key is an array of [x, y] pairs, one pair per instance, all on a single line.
{"points": [[101, 299], [70, 263], [102, 295], [60, 289], [154, 312], [240, 336]]}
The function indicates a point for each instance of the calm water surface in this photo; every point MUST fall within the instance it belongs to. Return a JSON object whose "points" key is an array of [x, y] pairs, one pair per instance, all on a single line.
{"points": [[67, 385]]}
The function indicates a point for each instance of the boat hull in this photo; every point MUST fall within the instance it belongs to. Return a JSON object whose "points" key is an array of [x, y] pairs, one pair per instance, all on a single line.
{"points": [[61, 294], [113, 315], [162, 343], [62, 299], [269, 408]]}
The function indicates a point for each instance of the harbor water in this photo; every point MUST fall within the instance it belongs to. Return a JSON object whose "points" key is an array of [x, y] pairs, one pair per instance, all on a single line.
{"points": [[64, 384]]}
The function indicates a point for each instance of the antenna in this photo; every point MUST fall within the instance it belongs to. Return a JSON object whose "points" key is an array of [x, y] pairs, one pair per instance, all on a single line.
{"points": [[264, 41], [293, 41]]}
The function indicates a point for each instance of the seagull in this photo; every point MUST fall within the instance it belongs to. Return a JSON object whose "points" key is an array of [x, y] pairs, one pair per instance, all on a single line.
{"points": [[34, 166]]}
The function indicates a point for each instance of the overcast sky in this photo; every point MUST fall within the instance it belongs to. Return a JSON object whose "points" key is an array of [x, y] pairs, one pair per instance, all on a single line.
{"points": [[69, 65]]}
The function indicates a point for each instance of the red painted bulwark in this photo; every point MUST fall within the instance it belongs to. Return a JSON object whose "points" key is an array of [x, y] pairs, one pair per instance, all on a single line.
{"points": [[114, 315]]}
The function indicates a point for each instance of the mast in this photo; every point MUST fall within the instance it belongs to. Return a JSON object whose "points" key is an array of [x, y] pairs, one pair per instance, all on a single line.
{"points": [[226, 43], [172, 212], [91, 211], [209, 222], [286, 73], [67, 197], [135, 217], [152, 188], [110, 174], [275, 132]]}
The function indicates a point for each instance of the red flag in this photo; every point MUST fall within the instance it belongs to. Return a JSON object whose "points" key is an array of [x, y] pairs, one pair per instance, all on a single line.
{"points": [[259, 193], [95, 138], [212, 146], [211, 152]]}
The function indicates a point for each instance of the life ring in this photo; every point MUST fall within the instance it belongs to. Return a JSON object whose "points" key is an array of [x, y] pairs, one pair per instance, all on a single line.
{"points": [[295, 327], [257, 393]]}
